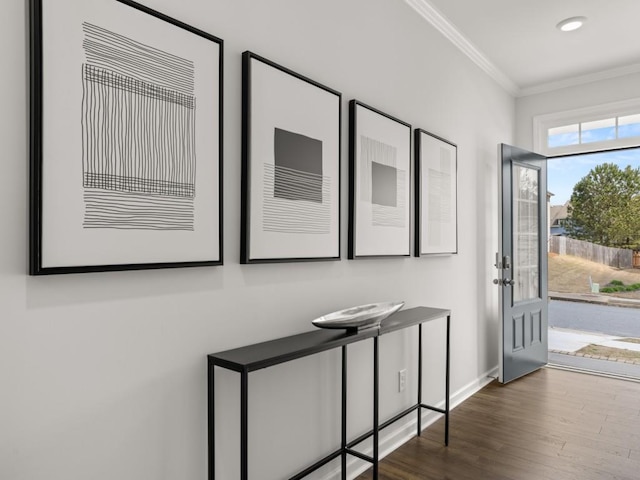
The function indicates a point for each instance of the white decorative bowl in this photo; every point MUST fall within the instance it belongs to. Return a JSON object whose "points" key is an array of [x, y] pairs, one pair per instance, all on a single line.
{"points": [[358, 318]]}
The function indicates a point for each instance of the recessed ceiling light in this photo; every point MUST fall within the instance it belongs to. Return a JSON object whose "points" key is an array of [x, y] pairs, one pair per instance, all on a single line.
{"points": [[571, 24]]}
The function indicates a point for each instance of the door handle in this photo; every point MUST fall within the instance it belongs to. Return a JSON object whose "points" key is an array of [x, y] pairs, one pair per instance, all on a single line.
{"points": [[505, 282]]}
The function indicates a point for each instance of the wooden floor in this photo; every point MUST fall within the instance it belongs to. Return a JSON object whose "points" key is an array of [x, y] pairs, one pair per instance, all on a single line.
{"points": [[551, 424]]}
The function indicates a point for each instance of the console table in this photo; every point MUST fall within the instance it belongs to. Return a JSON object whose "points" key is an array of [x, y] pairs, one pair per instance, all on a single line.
{"points": [[262, 355]]}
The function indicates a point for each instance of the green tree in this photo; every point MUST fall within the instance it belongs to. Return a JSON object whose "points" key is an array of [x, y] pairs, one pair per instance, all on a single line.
{"points": [[605, 206]]}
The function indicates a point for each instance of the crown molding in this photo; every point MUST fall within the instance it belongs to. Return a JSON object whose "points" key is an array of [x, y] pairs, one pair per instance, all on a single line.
{"points": [[451, 33], [580, 80]]}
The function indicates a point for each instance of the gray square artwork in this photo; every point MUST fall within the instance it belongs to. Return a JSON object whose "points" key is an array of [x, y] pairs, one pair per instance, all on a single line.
{"points": [[384, 185], [298, 167]]}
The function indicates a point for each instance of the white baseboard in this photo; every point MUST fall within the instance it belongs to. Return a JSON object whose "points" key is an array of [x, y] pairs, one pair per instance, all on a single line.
{"points": [[402, 431]]}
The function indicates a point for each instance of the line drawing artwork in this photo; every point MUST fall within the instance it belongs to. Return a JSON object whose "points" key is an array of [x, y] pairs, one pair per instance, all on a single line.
{"points": [[382, 184], [440, 214], [138, 135], [297, 196]]}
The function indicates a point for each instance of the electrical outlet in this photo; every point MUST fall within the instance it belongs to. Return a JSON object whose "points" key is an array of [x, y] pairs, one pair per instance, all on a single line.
{"points": [[402, 380]]}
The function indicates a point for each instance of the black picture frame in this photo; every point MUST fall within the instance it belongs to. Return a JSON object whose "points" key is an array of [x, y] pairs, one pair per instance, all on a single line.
{"points": [[291, 161], [379, 183], [156, 212], [436, 195]]}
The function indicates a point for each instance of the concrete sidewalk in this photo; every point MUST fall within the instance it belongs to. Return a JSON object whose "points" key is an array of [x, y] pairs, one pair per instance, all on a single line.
{"points": [[564, 344], [595, 298], [570, 341]]}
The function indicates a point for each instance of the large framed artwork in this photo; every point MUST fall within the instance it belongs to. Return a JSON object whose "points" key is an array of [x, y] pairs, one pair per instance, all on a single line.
{"points": [[380, 183], [436, 209], [290, 165], [126, 139]]}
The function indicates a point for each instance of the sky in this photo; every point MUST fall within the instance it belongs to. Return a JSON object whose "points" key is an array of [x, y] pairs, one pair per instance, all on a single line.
{"points": [[564, 172]]}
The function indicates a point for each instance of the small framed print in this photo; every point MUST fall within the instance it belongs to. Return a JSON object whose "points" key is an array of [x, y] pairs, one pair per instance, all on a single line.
{"points": [[290, 165], [380, 183], [436, 195], [126, 139]]}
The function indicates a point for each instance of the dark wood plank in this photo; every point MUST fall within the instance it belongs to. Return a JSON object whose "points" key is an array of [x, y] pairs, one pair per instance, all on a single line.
{"points": [[549, 425]]}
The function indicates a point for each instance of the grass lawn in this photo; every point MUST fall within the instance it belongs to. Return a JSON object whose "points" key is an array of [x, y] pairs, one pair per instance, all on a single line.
{"points": [[568, 274], [610, 353]]}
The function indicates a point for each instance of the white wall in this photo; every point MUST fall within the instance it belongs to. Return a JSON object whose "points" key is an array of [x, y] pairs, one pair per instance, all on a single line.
{"points": [[103, 376], [587, 95]]}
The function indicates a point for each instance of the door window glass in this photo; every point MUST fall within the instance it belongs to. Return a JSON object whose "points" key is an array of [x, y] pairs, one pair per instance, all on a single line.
{"points": [[526, 234]]}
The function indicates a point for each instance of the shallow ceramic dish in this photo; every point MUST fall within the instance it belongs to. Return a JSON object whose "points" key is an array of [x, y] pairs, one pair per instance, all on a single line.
{"points": [[358, 318]]}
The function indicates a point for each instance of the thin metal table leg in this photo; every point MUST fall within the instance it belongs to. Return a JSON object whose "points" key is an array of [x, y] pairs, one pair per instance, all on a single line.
{"points": [[376, 393], [244, 425], [446, 400], [419, 379], [211, 416], [344, 413]]}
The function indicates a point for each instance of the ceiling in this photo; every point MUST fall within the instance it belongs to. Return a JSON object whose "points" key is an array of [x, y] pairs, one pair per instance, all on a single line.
{"points": [[519, 41]]}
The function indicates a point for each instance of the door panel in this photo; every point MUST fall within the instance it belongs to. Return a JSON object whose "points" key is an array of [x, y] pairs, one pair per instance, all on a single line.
{"points": [[536, 327], [518, 333], [522, 262]]}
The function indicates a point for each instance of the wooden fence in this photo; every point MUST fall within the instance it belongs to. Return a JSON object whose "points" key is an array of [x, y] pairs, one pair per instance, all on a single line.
{"points": [[614, 257], [636, 259]]}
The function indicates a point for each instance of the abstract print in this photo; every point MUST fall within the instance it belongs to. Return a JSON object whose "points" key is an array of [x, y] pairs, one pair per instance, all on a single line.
{"points": [[138, 135], [296, 193], [381, 183], [439, 190]]}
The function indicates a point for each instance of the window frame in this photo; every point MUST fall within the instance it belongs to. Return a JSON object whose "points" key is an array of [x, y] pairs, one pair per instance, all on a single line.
{"points": [[542, 124]]}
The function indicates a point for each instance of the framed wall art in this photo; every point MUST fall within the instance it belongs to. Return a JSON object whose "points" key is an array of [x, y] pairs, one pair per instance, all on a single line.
{"points": [[290, 165], [126, 139], [436, 195], [380, 183]]}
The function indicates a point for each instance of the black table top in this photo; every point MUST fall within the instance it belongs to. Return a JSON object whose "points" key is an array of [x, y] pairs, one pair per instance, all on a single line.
{"points": [[266, 354]]}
